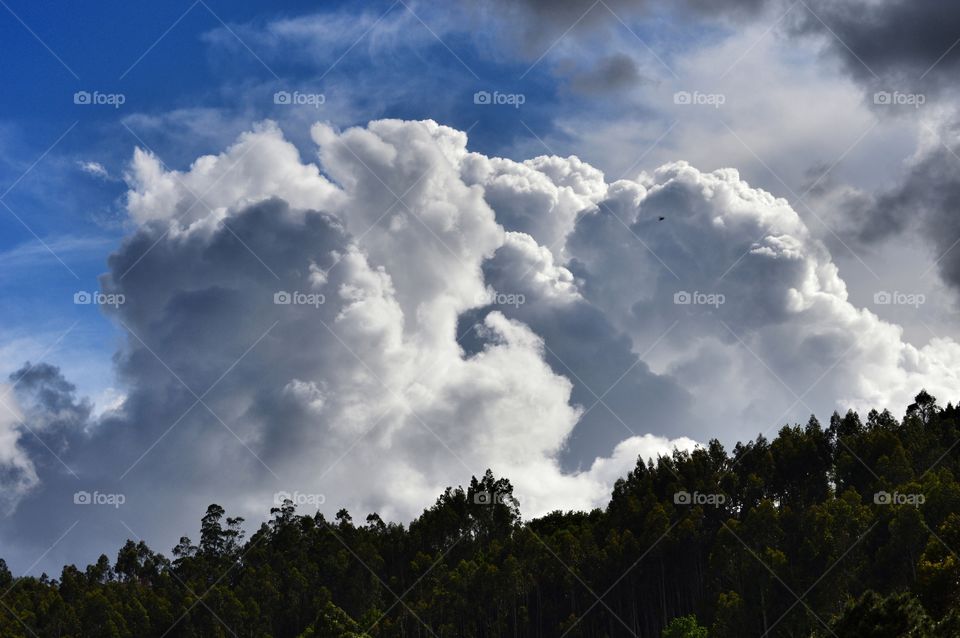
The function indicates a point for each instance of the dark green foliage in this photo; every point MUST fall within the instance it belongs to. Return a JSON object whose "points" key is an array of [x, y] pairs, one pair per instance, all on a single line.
{"points": [[896, 616], [684, 627], [783, 538]]}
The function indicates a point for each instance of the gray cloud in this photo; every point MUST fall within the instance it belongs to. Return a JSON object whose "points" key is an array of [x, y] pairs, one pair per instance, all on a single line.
{"points": [[911, 49], [896, 40], [623, 395], [905, 45], [578, 31], [565, 13], [44, 389], [615, 72], [926, 200], [50, 405]]}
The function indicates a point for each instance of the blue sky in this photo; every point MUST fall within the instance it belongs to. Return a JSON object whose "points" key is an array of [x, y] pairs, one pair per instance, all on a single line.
{"points": [[193, 76], [189, 57]]}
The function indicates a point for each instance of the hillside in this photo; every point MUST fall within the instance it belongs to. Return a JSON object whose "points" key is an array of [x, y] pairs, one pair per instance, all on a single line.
{"points": [[843, 530]]}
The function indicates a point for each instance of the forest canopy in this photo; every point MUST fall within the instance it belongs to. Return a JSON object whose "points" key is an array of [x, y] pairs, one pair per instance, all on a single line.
{"points": [[846, 530]]}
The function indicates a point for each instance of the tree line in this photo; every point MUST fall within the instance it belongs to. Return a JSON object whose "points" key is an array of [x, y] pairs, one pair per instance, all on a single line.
{"points": [[847, 530]]}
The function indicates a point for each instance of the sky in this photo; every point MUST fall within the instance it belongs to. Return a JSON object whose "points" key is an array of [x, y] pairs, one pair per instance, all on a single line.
{"points": [[355, 253]]}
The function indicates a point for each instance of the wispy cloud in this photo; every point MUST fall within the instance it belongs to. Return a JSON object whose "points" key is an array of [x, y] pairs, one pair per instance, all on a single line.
{"points": [[96, 169], [31, 253]]}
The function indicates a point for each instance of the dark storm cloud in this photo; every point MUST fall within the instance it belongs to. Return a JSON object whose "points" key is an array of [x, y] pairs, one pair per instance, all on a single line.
{"points": [[532, 27], [50, 406], [902, 44], [611, 73], [565, 13], [913, 42], [49, 392], [908, 48], [927, 199]]}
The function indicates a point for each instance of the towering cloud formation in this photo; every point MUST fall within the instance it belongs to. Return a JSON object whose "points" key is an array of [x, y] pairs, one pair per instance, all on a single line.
{"points": [[407, 313]]}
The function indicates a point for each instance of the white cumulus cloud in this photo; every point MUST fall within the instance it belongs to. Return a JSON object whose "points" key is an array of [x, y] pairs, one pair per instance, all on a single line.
{"points": [[327, 325]]}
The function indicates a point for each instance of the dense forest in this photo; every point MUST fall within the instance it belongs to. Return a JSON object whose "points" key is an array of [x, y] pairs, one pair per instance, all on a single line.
{"points": [[846, 530]]}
